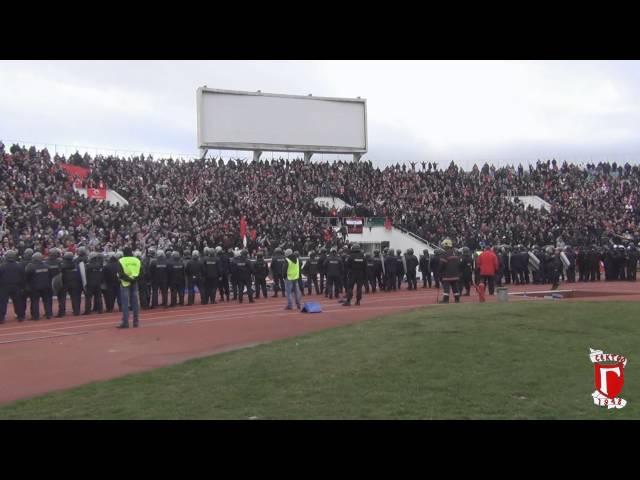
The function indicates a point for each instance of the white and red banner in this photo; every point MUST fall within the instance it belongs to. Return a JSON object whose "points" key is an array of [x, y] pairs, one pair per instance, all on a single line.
{"points": [[97, 193], [608, 378]]}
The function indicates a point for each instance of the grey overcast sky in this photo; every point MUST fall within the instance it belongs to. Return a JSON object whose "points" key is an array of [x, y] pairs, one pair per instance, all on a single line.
{"points": [[466, 111]]}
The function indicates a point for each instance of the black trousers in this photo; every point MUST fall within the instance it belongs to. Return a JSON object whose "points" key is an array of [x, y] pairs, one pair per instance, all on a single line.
{"points": [[313, 279], [18, 302], [75, 294], [399, 277], [390, 282], [411, 280], [332, 285], [37, 295], [261, 284], [224, 286], [144, 293], [465, 282], [490, 281], [209, 290], [426, 278], [507, 276], [177, 294], [192, 284], [357, 280], [241, 283], [436, 279], [323, 277], [111, 295], [92, 295], [278, 285], [380, 280], [450, 285], [571, 274], [163, 288], [370, 284], [234, 286]]}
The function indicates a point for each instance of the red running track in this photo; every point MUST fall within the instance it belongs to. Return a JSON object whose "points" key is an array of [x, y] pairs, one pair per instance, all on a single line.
{"points": [[47, 355]]}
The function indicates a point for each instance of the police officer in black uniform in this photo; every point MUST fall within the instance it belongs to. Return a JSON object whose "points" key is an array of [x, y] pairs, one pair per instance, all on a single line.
{"points": [[224, 267], [71, 284], [379, 272], [344, 279], [241, 269], [571, 270], [632, 263], [24, 261], [356, 266], [278, 265], [53, 262], [112, 284], [412, 263], [159, 275], [390, 271], [435, 267], [581, 263], [466, 267], [553, 266], [321, 268], [38, 277], [399, 269], [232, 274], [177, 280], [593, 261], [144, 281], [425, 268], [370, 283], [260, 273], [334, 266], [194, 271], [300, 281], [12, 286], [94, 272], [311, 269], [211, 276], [620, 263]]}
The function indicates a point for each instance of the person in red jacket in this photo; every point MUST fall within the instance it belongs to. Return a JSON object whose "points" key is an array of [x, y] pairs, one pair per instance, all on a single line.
{"points": [[488, 263]]}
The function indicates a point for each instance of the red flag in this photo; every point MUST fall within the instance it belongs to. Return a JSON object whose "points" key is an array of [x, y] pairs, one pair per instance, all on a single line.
{"points": [[387, 223], [243, 227]]}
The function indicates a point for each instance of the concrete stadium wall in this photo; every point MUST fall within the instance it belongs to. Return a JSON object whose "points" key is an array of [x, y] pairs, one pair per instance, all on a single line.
{"points": [[371, 238], [532, 200]]}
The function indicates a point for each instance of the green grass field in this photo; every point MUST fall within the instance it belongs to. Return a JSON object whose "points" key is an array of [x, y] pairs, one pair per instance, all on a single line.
{"points": [[520, 360]]}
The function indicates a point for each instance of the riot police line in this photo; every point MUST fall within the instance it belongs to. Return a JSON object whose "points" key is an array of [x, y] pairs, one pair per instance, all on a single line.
{"points": [[166, 278]]}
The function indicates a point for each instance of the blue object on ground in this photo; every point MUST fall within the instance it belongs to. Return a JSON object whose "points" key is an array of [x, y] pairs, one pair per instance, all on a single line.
{"points": [[311, 307]]}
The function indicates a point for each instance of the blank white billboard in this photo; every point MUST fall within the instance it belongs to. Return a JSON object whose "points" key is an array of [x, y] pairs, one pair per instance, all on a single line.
{"points": [[233, 120]]}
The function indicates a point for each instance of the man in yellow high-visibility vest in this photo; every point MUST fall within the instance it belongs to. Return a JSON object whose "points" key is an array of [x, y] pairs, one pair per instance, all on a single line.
{"points": [[292, 277], [128, 273]]}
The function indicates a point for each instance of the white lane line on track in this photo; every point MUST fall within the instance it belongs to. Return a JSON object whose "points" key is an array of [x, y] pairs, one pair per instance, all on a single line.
{"points": [[148, 316], [205, 316]]}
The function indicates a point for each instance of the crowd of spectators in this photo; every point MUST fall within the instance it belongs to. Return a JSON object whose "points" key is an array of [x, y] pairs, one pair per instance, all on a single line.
{"points": [[179, 204]]}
